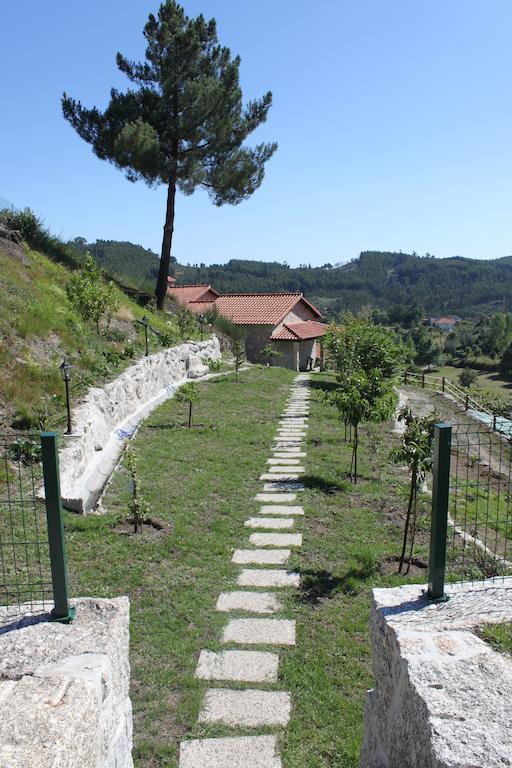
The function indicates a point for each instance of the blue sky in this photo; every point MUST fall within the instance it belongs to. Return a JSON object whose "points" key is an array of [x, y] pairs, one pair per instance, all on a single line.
{"points": [[393, 118]]}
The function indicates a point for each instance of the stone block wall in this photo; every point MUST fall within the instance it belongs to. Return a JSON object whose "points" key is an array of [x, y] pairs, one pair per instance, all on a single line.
{"points": [[108, 414], [442, 695], [64, 689]]}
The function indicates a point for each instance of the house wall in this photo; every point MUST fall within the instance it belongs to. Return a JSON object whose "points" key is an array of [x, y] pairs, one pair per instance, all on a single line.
{"points": [[256, 337], [298, 313], [288, 351]]}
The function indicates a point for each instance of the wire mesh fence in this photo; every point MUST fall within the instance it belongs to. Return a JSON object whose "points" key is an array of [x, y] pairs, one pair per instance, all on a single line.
{"points": [[33, 572], [25, 573], [479, 533]]}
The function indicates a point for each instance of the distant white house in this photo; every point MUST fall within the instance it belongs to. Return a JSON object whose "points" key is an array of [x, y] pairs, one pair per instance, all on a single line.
{"points": [[446, 323]]}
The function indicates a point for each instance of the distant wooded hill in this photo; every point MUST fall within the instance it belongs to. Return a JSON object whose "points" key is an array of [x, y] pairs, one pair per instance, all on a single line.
{"points": [[376, 280]]}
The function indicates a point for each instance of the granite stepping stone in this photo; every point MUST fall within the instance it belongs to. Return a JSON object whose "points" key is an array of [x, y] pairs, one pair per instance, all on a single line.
{"points": [[260, 632], [274, 523], [244, 666], [246, 709], [281, 468], [292, 452], [276, 498], [281, 509], [282, 476], [260, 556], [282, 461], [283, 486], [276, 539], [269, 577], [238, 752], [251, 602]]}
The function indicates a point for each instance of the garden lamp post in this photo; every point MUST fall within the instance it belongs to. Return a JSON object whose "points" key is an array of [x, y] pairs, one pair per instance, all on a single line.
{"points": [[201, 323], [145, 323], [65, 370]]}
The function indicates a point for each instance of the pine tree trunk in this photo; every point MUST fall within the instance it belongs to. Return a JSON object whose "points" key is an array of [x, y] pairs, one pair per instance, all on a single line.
{"points": [[165, 256]]}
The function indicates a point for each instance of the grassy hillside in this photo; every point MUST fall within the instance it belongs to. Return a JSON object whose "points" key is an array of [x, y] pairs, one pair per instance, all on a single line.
{"points": [[39, 327], [376, 280]]}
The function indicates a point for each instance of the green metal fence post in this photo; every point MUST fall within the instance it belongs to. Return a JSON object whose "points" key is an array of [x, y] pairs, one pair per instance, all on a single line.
{"points": [[439, 523], [422, 380], [62, 611]]}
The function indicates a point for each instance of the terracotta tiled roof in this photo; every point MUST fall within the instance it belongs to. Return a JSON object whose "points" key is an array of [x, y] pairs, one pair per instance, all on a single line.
{"points": [[259, 308], [308, 329], [189, 294]]}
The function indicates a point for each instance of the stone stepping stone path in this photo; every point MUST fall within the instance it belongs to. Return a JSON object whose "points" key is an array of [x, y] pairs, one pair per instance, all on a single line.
{"points": [[261, 556], [252, 638], [270, 522], [240, 666], [250, 602], [249, 709]]}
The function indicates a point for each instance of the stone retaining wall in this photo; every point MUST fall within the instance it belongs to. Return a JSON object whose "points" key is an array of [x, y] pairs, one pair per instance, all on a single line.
{"points": [[108, 415], [64, 689], [442, 695]]}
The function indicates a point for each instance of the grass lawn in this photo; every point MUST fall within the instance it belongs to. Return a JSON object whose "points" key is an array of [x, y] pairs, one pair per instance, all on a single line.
{"points": [[499, 636], [202, 482], [494, 381]]}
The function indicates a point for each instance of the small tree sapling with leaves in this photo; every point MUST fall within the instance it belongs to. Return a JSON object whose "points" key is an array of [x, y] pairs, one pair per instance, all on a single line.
{"points": [[139, 507], [268, 353], [366, 358], [416, 451], [238, 354], [363, 397], [188, 393]]}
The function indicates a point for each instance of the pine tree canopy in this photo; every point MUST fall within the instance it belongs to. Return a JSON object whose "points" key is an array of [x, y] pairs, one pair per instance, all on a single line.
{"points": [[183, 123]]}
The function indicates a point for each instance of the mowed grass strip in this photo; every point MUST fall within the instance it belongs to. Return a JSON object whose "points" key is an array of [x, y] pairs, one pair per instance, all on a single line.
{"points": [[351, 533], [200, 482]]}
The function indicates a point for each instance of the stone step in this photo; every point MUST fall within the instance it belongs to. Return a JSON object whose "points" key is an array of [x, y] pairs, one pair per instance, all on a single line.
{"points": [[293, 452], [283, 469], [284, 486], [252, 602], [246, 709], [260, 556], [282, 461], [279, 476], [277, 498], [281, 509], [268, 577], [243, 666], [238, 752], [260, 632], [274, 523], [276, 540]]}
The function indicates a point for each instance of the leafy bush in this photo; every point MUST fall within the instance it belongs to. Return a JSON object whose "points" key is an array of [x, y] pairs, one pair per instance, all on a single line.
{"points": [[468, 377], [91, 295], [213, 365], [37, 237], [26, 450]]}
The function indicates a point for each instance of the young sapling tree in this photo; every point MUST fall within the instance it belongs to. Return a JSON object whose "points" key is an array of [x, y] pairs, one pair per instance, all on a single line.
{"points": [[188, 393], [238, 354], [416, 452]]}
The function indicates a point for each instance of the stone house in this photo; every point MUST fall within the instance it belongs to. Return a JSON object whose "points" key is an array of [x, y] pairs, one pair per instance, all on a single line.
{"points": [[285, 321]]}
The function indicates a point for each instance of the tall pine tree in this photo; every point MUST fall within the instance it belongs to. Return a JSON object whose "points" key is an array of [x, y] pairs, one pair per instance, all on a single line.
{"points": [[183, 124]]}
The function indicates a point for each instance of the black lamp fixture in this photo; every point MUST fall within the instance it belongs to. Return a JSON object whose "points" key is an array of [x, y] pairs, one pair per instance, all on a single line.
{"points": [[145, 323], [65, 371], [201, 324]]}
